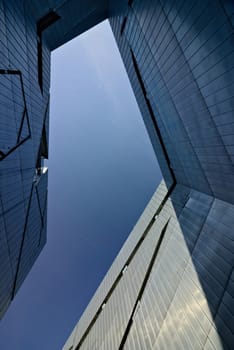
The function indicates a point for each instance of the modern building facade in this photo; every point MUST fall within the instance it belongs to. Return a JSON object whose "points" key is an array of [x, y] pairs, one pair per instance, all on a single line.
{"points": [[172, 284], [23, 146]]}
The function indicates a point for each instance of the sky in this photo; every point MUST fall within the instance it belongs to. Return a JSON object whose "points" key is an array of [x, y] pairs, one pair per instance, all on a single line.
{"points": [[102, 173]]}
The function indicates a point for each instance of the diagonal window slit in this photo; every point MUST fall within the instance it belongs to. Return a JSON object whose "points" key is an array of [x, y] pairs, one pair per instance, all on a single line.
{"points": [[123, 25], [118, 278], [151, 112], [143, 286]]}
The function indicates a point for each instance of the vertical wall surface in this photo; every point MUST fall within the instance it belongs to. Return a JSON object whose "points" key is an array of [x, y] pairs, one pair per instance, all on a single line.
{"points": [[29, 30], [172, 284], [180, 60], [23, 145]]}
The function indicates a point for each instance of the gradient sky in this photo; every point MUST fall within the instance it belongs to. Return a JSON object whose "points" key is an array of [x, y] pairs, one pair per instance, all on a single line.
{"points": [[102, 172]]}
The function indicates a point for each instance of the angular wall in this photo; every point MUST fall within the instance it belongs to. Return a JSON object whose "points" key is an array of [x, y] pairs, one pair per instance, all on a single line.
{"points": [[29, 30], [171, 286], [24, 135], [183, 53]]}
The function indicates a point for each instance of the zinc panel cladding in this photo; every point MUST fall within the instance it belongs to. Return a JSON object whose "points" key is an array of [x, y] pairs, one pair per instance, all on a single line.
{"points": [[33, 239], [185, 289], [120, 261], [164, 105], [126, 55], [22, 108], [6, 268], [167, 275], [184, 51], [115, 314]]}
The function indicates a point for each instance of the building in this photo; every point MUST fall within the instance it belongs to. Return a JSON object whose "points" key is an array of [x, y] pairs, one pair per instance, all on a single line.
{"points": [[172, 284], [23, 147]]}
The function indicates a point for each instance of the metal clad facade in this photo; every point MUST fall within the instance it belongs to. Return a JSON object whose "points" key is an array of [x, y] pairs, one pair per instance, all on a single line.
{"points": [[187, 300], [23, 191], [179, 59]]}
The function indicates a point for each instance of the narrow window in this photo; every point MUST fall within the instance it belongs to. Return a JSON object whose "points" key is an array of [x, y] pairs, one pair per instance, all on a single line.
{"points": [[123, 25], [44, 144], [151, 112]]}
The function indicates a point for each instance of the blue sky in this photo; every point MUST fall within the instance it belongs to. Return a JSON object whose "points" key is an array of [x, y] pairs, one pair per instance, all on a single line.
{"points": [[102, 172]]}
